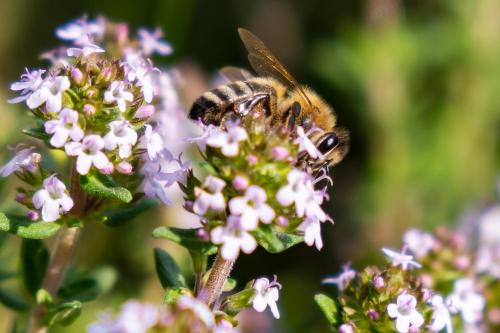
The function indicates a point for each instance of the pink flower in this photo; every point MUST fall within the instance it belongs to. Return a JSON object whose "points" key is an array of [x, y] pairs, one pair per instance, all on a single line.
{"points": [[121, 135], [228, 140], [266, 294], [25, 159], [405, 313], [210, 197], [53, 199], [151, 42], [49, 92], [118, 94], [252, 207], [89, 153], [64, 127], [233, 238]]}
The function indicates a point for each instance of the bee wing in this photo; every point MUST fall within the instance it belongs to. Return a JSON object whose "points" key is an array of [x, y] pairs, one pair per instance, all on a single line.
{"points": [[235, 74], [265, 63]]}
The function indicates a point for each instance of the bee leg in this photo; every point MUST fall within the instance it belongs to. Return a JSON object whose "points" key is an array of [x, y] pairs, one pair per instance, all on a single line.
{"points": [[294, 113]]}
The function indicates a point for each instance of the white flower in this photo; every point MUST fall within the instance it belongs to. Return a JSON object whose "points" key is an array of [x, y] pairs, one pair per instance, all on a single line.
{"points": [[312, 232], [252, 207], [87, 49], [405, 313], [145, 80], [266, 294], [89, 153], [418, 242], [117, 93], [201, 140], [64, 127], [441, 317], [121, 135], [488, 253], [228, 140], [151, 42], [25, 159], [81, 30], [466, 300], [152, 142], [50, 93], [210, 197], [53, 199], [401, 259], [30, 81], [199, 309], [343, 279], [233, 238], [305, 144]]}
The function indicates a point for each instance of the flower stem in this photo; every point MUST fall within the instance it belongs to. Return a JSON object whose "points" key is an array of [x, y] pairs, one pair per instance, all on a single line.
{"points": [[62, 252], [218, 276]]}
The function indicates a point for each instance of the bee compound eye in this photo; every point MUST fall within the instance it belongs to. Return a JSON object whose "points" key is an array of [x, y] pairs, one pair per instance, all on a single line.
{"points": [[296, 108], [328, 142]]}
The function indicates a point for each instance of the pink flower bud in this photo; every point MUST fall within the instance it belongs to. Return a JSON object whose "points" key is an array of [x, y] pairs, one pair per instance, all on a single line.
{"points": [[426, 280], [33, 215], [282, 221], [252, 159], [124, 167], [346, 328], [373, 314], [240, 183], [145, 111], [108, 169], [188, 205], [89, 109], [91, 92], [378, 282], [21, 198], [76, 75], [461, 262], [202, 234], [279, 153], [121, 32]]}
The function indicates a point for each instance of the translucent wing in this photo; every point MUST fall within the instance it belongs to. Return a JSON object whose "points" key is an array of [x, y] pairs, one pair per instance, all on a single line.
{"points": [[265, 63], [235, 74]]}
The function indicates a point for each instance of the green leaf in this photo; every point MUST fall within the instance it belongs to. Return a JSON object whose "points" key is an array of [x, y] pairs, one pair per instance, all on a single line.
{"points": [[187, 238], [13, 301], [239, 301], [6, 275], [167, 270], [274, 241], [24, 227], [37, 133], [172, 295], [328, 306], [34, 261], [83, 290], [229, 285], [103, 186], [116, 217], [65, 314]]}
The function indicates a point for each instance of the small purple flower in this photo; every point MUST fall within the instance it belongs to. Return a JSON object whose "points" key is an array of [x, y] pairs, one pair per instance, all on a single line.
{"points": [[53, 199], [233, 238], [305, 144], [80, 30], [405, 313], [118, 93], [89, 153], [25, 159], [145, 76], [252, 207], [86, 49], [121, 135], [401, 259], [145, 111], [152, 142], [49, 92], [30, 81], [378, 282], [279, 153], [210, 197], [228, 140], [343, 279], [64, 127], [312, 232], [467, 300], [151, 42], [266, 293], [418, 242], [441, 317], [33, 215]]}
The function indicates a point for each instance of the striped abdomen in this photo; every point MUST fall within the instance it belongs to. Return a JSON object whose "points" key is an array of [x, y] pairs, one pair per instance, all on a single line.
{"points": [[235, 98]]}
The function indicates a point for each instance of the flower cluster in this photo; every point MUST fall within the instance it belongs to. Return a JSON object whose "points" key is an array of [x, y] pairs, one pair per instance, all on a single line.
{"points": [[449, 287], [102, 103], [254, 192]]}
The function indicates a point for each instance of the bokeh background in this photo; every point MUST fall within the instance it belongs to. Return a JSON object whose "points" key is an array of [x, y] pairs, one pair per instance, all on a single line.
{"points": [[417, 83]]}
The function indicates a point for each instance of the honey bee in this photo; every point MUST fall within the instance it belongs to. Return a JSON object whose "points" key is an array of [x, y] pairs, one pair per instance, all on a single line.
{"points": [[286, 102]]}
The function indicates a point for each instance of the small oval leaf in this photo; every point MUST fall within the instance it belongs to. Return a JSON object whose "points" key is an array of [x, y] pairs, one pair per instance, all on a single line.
{"points": [[103, 186], [24, 227], [187, 238], [168, 272]]}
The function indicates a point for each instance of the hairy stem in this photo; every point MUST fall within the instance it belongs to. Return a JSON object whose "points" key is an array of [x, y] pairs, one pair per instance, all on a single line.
{"points": [[62, 252], [218, 276]]}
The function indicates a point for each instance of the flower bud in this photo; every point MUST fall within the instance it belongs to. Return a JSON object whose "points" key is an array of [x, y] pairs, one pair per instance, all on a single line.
{"points": [[188, 205], [240, 183], [282, 221], [124, 167], [202, 234], [346, 328], [108, 169], [21, 197], [91, 92], [89, 109], [33, 215], [145, 111], [252, 159], [279, 153], [378, 282], [106, 74], [373, 314], [426, 280], [77, 75], [461, 262]]}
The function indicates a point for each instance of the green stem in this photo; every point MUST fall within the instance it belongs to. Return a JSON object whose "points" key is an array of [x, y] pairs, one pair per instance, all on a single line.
{"points": [[218, 275]]}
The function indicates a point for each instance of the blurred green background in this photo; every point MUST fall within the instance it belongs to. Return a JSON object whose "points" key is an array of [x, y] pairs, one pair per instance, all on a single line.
{"points": [[417, 83]]}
